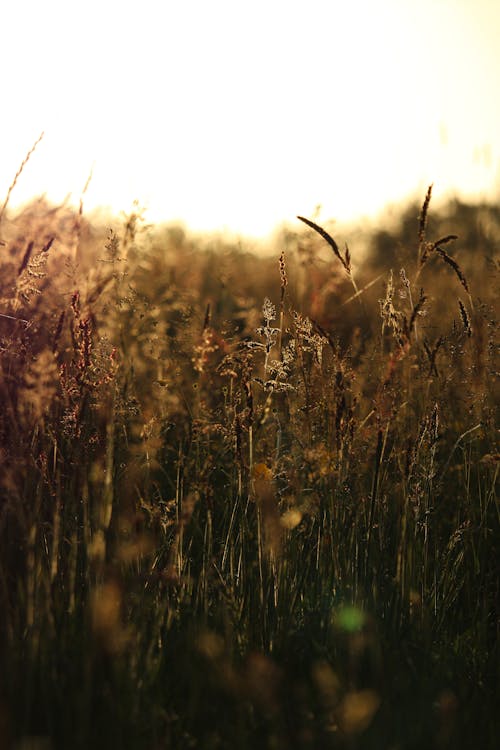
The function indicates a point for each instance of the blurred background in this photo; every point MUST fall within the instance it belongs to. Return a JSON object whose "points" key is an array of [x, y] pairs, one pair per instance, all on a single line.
{"points": [[237, 116]]}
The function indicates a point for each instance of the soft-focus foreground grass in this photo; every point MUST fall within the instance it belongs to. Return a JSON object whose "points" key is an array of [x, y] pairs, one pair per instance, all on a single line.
{"points": [[248, 502]]}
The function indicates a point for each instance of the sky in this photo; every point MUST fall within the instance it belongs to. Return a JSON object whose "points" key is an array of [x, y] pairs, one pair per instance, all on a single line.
{"points": [[239, 115]]}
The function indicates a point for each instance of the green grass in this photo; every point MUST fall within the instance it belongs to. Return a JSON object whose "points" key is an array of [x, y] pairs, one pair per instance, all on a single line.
{"points": [[248, 501]]}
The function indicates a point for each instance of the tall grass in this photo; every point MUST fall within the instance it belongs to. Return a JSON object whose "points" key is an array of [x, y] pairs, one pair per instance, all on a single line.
{"points": [[241, 506]]}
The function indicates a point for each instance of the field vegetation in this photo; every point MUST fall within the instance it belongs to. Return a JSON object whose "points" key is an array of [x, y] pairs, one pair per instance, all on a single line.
{"points": [[248, 501]]}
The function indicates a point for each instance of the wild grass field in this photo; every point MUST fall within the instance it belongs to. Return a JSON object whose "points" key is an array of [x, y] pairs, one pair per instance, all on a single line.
{"points": [[248, 501]]}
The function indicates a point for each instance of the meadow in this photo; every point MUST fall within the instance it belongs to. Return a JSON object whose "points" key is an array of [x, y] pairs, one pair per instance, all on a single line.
{"points": [[248, 501]]}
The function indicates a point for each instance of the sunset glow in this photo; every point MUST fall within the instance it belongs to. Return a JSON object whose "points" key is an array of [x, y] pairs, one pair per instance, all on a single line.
{"points": [[240, 116]]}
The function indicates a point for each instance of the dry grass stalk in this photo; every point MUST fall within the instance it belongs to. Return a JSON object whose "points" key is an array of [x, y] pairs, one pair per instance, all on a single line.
{"points": [[465, 318], [454, 265], [346, 262], [18, 174], [283, 286], [431, 354], [422, 220], [417, 310]]}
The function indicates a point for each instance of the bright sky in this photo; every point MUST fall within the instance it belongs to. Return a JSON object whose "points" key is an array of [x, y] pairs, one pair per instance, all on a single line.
{"points": [[239, 115]]}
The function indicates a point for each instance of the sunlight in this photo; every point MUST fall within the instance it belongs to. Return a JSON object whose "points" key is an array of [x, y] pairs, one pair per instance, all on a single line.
{"points": [[224, 117]]}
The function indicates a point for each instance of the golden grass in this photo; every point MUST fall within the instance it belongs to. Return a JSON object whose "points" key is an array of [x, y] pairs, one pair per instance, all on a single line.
{"points": [[236, 511]]}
